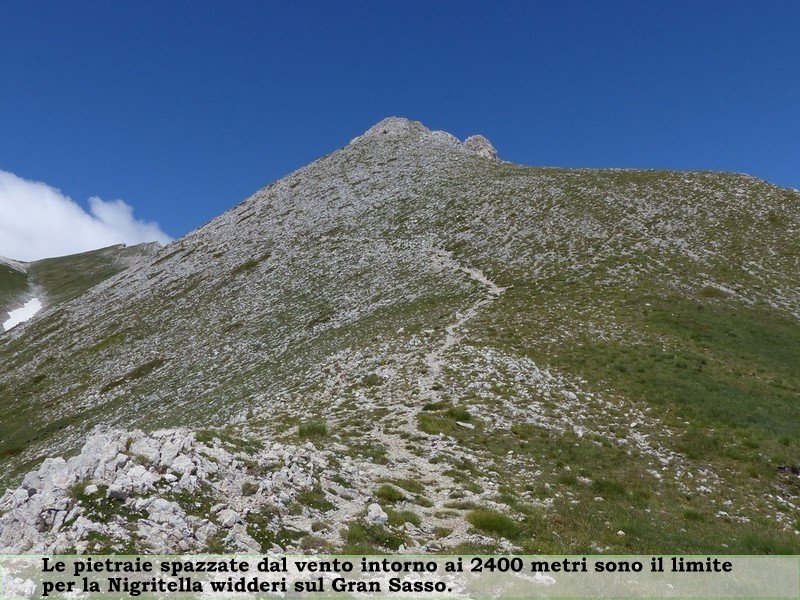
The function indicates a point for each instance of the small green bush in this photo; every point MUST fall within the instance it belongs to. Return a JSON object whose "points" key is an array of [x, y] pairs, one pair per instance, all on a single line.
{"points": [[249, 488], [493, 522], [459, 414], [436, 405], [400, 517], [709, 291], [372, 380], [359, 537], [461, 504], [389, 493], [411, 485], [314, 498], [313, 429], [608, 487], [693, 515]]}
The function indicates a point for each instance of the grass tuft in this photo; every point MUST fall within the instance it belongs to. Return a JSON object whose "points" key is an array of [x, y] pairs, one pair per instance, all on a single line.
{"points": [[495, 523], [312, 429]]}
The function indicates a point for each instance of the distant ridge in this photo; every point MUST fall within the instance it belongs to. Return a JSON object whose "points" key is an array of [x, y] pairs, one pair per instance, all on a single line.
{"points": [[63, 278]]}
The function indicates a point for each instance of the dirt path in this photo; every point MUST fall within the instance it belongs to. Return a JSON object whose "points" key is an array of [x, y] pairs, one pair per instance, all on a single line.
{"points": [[434, 360], [414, 464]]}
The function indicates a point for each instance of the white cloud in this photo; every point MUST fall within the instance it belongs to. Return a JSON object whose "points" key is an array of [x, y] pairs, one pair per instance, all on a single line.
{"points": [[38, 221]]}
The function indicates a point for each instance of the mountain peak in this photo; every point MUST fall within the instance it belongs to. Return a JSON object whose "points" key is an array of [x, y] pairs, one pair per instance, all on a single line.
{"points": [[400, 127], [409, 324], [395, 127]]}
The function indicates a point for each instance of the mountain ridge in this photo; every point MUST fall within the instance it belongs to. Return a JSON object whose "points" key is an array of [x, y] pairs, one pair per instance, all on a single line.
{"points": [[440, 315], [61, 278]]}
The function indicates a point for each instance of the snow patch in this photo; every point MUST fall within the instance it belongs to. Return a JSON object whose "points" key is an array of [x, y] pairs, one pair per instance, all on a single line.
{"points": [[20, 315]]}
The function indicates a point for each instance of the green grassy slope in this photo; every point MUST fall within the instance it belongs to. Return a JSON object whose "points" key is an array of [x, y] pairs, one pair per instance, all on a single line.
{"points": [[55, 281], [13, 285], [63, 278], [67, 277]]}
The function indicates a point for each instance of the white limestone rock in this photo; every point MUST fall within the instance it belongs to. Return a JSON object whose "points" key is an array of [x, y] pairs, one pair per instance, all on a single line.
{"points": [[480, 146], [396, 127], [228, 518], [118, 491], [164, 511], [147, 448], [239, 540], [183, 465], [376, 515]]}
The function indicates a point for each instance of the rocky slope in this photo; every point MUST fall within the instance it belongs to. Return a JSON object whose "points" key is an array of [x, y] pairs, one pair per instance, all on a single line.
{"points": [[499, 357]]}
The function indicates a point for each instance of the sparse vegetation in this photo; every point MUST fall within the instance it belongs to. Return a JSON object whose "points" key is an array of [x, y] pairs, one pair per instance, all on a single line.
{"points": [[370, 539], [415, 486], [249, 488], [266, 528], [372, 380], [314, 498], [137, 373], [250, 264], [400, 517], [312, 429], [389, 493], [494, 523]]}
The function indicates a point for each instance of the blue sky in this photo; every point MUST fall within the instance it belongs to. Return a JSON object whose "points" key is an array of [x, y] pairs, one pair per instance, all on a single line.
{"points": [[182, 109]]}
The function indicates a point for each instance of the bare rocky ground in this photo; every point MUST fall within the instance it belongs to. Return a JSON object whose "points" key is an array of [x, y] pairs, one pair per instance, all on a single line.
{"points": [[167, 493]]}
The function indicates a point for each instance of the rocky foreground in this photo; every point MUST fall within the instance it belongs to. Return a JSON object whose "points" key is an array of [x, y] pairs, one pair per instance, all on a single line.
{"points": [[165, 492], [177, 491]]}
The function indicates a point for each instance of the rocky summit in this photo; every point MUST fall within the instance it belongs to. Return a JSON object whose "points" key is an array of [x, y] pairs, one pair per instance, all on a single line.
{"points": [[411, 345]]}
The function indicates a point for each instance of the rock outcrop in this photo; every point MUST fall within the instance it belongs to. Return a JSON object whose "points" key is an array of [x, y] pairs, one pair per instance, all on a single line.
{"points": [[166, 493], [399, 127], [481, 146], [396, 126]]}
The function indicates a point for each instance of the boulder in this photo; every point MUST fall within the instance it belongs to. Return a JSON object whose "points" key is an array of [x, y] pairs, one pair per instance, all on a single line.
{"points": [[228, 518], [146, 448], [53, 474], [480, 146], [376, 515], [118, 491], [183, 464]]}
